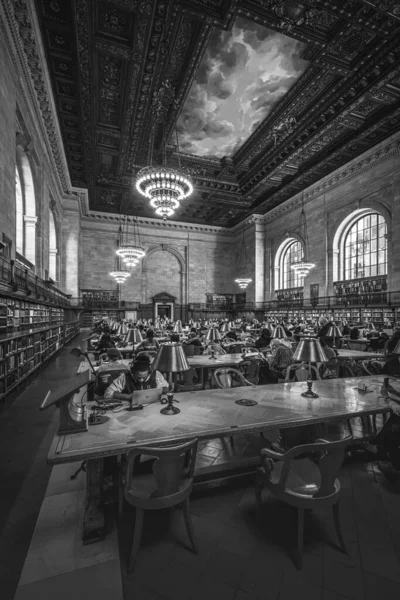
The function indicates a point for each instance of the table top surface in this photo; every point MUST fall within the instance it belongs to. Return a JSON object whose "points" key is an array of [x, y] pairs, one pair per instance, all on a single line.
{"points": [[213, 413], [359, 354]]}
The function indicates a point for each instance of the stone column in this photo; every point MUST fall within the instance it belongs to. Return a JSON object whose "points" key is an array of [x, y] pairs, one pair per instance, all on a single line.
{"points": [[259, 266], [70, 249], [53, 263], [30, 238]]}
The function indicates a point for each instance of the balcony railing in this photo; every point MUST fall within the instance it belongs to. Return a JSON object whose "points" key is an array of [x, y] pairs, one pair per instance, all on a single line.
{"points": [[22, 281]]}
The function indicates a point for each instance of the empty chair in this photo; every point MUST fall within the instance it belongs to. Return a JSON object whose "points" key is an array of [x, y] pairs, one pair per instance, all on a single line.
{"points": [[304, 483], [229, 377], [236, 348], [300, 372], [169, 484], [187, 384], [372, 367]]}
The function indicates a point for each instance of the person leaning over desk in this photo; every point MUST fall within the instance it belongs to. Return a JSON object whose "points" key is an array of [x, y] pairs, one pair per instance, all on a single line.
{"points": [[140, 377]]}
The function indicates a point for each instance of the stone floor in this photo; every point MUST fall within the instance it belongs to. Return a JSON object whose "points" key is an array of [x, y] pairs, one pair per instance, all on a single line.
{"points": [[40, 511]]}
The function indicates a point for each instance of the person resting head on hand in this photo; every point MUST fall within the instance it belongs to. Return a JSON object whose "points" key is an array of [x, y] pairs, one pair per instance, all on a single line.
{"points": [[140, 377]]}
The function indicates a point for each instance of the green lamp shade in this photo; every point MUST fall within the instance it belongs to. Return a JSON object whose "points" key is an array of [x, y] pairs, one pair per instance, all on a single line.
{"points": [[133, 336], [213, 335], [279, 333]]}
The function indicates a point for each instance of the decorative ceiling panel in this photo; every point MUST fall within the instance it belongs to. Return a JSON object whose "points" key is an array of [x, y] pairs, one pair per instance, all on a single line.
{"points": [[269, 95]]}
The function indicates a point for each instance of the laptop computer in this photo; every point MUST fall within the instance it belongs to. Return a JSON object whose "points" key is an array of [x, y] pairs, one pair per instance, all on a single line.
{"points": [[147, 396]]}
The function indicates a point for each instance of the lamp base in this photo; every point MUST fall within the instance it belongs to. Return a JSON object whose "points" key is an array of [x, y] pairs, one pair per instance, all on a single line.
{"points": [[170, 410], [309, 394]]}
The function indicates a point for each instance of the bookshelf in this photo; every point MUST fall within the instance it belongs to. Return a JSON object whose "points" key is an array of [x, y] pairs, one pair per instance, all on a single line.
{"points": [[23, 352]]}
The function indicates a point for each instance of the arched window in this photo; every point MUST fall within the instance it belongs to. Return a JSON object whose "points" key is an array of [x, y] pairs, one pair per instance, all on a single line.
{"points": [[19, 218], [52, 247], [285, 277], [365, 247], [25, 203]]}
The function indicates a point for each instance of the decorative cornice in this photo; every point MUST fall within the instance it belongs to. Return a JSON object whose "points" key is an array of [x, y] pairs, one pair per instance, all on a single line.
{"points": [[372, 158], [21, 30]]}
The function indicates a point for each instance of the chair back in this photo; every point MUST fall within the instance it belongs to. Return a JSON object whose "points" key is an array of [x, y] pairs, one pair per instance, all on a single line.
{"points": [[236, 348], [105, 379], [345, 370], [225, 377], [250, 368], [372, 367], [354, 346], [198, 350], [331, 455], [172, 465], [301, 372], [188, 349]]}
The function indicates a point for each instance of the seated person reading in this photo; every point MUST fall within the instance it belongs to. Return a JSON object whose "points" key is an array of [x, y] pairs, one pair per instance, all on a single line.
{"points": [[140, 377], [148, 344], [114, 358], [265, 338], [194, 338], [105, 342]]}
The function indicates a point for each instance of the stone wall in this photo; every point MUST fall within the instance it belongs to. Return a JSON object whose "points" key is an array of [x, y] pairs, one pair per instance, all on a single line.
{"points": [[184, 260]]}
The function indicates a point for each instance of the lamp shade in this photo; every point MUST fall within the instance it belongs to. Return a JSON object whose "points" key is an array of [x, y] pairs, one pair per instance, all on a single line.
{"points": [[279, 333], [225, 327], [171, 359], [310, 350], [178, 327], [213, 335], [334, 332], [114, 327], [133, 337], [397, 349], [122, 329]]}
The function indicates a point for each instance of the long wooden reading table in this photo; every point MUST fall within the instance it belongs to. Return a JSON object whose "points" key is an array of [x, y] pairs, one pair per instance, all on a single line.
{"points": [[205, 415]]}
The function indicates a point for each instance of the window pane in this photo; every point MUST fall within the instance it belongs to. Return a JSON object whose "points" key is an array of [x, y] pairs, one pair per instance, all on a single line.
{"points": [[364, 247], [381, 269], [373, 219]]}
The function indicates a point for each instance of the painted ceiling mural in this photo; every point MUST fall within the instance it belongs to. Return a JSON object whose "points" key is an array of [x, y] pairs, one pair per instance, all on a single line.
{"points": [[243, 74]]}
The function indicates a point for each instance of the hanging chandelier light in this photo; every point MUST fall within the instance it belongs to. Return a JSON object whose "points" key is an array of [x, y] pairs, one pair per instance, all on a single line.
{"points": [[242, 282], [120, 275], [303, 266], [164, 186], [130, 253]]}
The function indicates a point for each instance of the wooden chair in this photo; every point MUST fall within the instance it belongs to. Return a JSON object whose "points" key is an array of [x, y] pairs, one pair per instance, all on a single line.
{"points": [[150, 353], [250, 368], [372, 367], [304, 484], [198, 350], [236, 348], [187, 384], [301, 371], [170, 484], [228, 376]]}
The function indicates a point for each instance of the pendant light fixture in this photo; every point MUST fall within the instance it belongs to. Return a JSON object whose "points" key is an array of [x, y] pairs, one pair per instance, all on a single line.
{"points": [[164, 186], [120, 274], [303, 266], [131, 253], [242, 281]]}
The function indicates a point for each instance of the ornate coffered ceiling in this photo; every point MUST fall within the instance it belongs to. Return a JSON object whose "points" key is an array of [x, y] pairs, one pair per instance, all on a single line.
{"points": [[107, 58]]}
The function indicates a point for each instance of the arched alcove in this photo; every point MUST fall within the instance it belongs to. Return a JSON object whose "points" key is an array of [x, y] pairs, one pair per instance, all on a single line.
{"points": [[164, 270], [25, 190], [289, 251]]}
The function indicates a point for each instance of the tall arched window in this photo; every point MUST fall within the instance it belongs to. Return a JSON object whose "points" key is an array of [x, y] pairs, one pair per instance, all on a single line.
{"points": [[25, 220], [52, 247], [365, 248], [19, 218], [290, 251]]}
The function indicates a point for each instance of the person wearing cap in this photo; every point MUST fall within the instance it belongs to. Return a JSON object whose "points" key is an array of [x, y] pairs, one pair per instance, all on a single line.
{"points": [[114, 357], [140, 377]]}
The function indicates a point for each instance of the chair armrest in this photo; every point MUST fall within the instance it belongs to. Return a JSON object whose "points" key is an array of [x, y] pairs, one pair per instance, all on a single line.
{"points": [[268, 453]]}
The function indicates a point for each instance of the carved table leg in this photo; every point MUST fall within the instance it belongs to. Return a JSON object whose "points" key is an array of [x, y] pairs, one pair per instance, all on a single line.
{"points": [[93, 523]]}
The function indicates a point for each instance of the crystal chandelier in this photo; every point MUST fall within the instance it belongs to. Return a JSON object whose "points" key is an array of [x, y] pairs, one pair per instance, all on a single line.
{"points": [[242, 282], [303, 266], [120, 275], [164, 186], [130, 253]]}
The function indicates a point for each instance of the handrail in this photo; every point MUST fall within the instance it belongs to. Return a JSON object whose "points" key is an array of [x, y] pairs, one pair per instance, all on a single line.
{"points": [[21, 279]]}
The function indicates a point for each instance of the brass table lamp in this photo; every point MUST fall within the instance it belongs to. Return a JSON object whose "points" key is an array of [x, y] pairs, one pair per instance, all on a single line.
{"points": [[310, 350], [279, 333], [170, 359], [213, 335], [335, 333], [133, 337]]}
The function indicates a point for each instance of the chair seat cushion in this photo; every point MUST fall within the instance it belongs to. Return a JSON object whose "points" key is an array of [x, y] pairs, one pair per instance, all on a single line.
{"points": [[145, 487], [303, 478]]}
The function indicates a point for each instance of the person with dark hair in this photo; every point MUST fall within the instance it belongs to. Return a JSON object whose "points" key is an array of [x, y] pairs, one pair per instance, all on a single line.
{"points": [[194, 338], [140, 377], [105, 342], [354, 333], [148, 344], [265, 338], [114, 357], [174, 337]]}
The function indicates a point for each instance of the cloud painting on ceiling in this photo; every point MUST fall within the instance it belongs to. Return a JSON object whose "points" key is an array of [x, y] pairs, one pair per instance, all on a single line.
{"points": [[243, 74]]}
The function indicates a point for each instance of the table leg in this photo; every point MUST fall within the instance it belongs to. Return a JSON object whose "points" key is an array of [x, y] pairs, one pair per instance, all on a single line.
{"points": [[93, 522]]}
